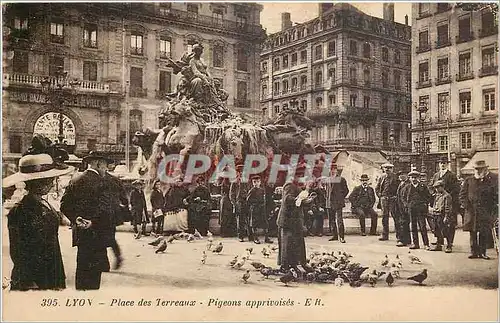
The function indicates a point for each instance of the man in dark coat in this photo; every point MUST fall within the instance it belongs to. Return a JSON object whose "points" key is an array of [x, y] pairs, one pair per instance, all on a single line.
{"points": [[227, 219], [336, 192], [257, 211], [200, 208], [91, 216], [317, 207], [479, 198], [138, 207], [402, 209], [362, 201], [418, 198], [270, 205], [441, 211], [157, 203], [452, 186], [238, 195], [386, 191]]}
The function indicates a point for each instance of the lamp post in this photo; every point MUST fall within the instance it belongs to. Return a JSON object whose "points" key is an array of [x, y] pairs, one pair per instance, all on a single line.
{"points": [[422, 146], [56, 90], [393, 144]]}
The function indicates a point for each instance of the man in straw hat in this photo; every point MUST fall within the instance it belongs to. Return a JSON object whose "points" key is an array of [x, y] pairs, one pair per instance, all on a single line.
{"points": [[441, 211], [86, 203], [417, 199], [33, 225], [452, 186], [479, 198], [362, 201], [386, 190]]}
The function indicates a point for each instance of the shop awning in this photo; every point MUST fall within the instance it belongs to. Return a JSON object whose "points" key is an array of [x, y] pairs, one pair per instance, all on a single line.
{"points": [[490, 157], [371, 156]]}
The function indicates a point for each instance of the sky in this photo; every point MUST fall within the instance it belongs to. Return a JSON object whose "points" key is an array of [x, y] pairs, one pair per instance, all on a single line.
{"points": [[270, 17]]}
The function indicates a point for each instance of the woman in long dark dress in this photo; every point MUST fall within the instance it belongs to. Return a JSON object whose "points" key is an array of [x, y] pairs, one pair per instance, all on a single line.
{"points": [[33, 227], [227, 219]]}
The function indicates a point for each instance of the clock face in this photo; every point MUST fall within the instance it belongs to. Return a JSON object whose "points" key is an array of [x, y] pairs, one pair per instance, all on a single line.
{"points": [[48, 125]]}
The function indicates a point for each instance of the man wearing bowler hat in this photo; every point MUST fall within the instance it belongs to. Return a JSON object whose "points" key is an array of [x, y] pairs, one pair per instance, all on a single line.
{"points": [[362, 200], [479, 197], [452, 186], [86, 202]]}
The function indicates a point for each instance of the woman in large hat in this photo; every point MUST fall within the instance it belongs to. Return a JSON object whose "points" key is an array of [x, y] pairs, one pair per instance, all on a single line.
{"points": [[33, 226]]}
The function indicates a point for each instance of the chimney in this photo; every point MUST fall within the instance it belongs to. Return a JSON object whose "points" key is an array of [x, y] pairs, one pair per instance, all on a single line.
{"points": [[389, 11], [286, 21], [324, 7], [406, 20]]}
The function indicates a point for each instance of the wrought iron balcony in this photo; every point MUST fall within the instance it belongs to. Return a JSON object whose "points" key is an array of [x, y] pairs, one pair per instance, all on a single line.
{"points": [[137, 51], [464, 76], [488, 70], [138, 92], [443, 80], [89, 43], [424, 83], [30, 80], [59, 39], [422, 48], [464, 38], [440, 43]]}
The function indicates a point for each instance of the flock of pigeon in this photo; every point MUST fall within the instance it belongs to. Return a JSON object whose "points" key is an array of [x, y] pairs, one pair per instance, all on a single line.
{"points": [[321, 267]]}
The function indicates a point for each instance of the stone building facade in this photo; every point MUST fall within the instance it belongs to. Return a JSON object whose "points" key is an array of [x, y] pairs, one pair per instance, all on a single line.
{"points": [[350, 72], [119, 54], [455, 75]]}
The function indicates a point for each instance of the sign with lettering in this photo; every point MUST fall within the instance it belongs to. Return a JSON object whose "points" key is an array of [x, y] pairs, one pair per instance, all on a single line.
{"points": [[48, 125], [83, 100], [110, 148]]}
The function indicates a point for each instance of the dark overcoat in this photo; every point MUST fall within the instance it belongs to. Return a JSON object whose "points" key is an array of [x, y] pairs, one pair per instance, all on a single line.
{"points": [[138, 206], [34, 245], [256, 207], [479, 197]]}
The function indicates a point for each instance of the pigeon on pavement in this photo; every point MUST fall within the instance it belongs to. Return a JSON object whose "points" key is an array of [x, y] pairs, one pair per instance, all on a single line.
{"points": [[419, 278]]}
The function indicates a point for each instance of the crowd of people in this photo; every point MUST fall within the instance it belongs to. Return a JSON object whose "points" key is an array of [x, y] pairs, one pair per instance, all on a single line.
{"points": [[95, 203]]}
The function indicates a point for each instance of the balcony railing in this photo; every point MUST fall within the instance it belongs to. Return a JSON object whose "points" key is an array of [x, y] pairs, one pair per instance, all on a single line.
{"points": [[488, 70], [423, 48], [464, 38], [30, 80], [242, 103], [89, 43], [138, 92], [488, 32], [443, 80], [424, 83], [165, 54], [59, 39], [443, 43], [137, 51], [464, 76]]}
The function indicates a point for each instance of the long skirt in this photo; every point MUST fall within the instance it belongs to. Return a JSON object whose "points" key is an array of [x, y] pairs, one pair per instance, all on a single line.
{"points": [[227, 219], [292, 247]]}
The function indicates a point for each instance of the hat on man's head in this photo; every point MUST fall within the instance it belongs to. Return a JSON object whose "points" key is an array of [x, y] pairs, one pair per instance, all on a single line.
{"points": [[400, 173], [364, 177], [94, 155], [480, 164], [414, 173], [444, 160], [36, 166], [438, 183], [197, 46], [387, 165]]}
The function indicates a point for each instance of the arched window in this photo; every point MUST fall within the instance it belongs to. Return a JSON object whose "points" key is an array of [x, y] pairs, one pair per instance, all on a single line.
{"points": [[367, 77], [319, 78], [264, 91], [294, 84], [285, 86], [303, 82], [367, 50], [353, 48], [319, 102], [385, 54], [397, 56]]}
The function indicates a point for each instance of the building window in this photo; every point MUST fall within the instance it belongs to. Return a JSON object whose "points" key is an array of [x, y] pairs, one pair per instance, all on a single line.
{"points": [[136, 82], [397, 56], [21, 23], [442, 35], [164, 8], [217, 16], [367, 50], [303, 56], [366, 102], [331, 48], [385, 54], [318, 52], [352, 100], [319, 79], [397, 133], [294, 59], [241, 20], [465, 102], [332, 99], [443, 143], [90, 36], [165, 82], [397, 80], [385, 134], [423, 9], [276, 109], [276, 88], [353, 73], [285, 61], [465, 140], [319, 102], [442, 69], [165, 46], [397, 106], [353, 48], [20, 62], [136, 44], [264, 67], [56, 65], [294, 84], [90, 71], [192, 8], [443, 106], [303, 105], [242, 60], [242, 94], [489, 100], [135, 120], [423, 72], [423, 39], [332, 75], [442, 6], [464, 31], [218, 56], [385, 79], [488, 23], [464, 64], [276, 64], [264, 91], [303, 82], [384, 105], [490, 139], [15, 144], [488, 57], [285, 86], [57, 33]]}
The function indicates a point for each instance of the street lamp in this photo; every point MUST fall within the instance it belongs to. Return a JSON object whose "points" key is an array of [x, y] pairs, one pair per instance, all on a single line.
{"points": [[423, 145], [393, 144], [56, 90]]}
